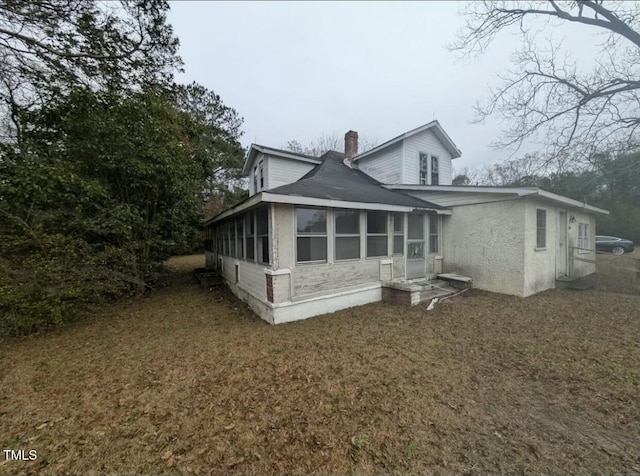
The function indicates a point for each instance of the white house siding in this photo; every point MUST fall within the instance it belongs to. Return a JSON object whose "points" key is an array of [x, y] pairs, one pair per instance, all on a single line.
{"points": [[284, 171], [399, 264], [540, 264], [314, 280], [385, 166], [485, 241], [425, 142]]}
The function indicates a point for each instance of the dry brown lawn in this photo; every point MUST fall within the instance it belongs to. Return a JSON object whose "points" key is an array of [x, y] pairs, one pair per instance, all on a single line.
{"points": [[616, 273], [187, 381]]}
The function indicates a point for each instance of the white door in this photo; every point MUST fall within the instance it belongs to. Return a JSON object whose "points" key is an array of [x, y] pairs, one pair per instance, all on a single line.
{"points": [[416, 262], [561, 245]]}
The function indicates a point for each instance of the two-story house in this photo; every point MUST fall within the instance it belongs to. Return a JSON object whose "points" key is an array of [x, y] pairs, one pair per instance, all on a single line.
{"points": [[318, 234]]}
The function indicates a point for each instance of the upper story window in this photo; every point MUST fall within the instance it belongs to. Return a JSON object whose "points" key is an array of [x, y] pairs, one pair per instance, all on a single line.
{"points": [[261, 174], [311, 235], [429, 169], [435, 175], [255, 179], [424, 169]]}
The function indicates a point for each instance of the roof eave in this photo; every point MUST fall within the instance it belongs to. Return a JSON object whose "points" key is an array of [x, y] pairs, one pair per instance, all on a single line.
{"points": [[318, 202], [254, 149], [444, 138]]}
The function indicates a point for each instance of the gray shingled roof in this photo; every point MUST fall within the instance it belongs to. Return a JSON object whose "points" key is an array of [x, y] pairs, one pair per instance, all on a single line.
{"points": [[333, 180]]}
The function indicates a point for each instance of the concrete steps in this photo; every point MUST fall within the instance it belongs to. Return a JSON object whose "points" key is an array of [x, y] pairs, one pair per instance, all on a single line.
{"points": [[411, 293]]}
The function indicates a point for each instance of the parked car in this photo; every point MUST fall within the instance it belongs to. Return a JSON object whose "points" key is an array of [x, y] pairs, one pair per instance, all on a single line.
{"points": [[617, 246]]}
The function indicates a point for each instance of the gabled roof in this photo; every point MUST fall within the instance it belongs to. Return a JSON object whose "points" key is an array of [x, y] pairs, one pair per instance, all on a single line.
{"points": [[255, 149], [518, 191], [434, 126], [333, 180]]}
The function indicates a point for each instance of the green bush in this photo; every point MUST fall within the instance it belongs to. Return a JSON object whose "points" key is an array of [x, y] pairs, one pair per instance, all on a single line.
{"points": [[50, 286]]}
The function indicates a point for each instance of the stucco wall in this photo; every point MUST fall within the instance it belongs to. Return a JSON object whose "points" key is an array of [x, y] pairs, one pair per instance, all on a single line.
{"points": [[485, 241], [540, 265]]}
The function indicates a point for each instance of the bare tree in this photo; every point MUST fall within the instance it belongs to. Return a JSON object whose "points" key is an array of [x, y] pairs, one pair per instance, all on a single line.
{"points": [[547, 97], [326, 142], [48, 47]]}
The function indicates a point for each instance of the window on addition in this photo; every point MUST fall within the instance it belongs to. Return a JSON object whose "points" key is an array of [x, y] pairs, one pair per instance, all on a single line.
{"points": [[435, 174], [424, 169]]}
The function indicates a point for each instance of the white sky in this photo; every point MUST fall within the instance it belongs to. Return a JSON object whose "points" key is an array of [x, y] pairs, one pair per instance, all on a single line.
{"points": [[296, 70]]}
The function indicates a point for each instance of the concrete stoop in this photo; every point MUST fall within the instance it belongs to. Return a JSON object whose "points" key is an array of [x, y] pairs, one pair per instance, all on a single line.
{"points": [[411, 293]]}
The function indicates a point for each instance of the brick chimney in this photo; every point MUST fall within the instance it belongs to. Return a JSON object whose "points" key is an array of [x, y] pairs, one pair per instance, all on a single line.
{"points": [[350, 145]]}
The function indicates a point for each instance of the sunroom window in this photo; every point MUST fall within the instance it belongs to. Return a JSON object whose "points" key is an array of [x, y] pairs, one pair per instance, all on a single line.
{"points": [[311, 235], [376, 234], [347, 244]]}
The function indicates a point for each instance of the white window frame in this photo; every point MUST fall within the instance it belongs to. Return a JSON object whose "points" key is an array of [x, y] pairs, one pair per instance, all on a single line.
{"points": [[367, 234], [255, 178], [434, 219], [240, 223], [337, 235], [311, 235], [395, 233], [260, 237], [434, 160], [261, 174], [423, 170], [544, 247], [250, 222], [583, 238]]}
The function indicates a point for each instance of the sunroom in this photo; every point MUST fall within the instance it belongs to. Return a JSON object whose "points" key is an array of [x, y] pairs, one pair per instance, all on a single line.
{"points": [[291, 261]]}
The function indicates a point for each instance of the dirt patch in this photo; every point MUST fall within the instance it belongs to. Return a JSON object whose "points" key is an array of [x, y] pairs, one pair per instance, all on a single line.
{"points": [[186, 381]]}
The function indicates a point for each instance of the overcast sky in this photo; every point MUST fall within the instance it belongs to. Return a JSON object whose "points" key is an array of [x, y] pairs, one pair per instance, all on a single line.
{"points": [[296, 70]]}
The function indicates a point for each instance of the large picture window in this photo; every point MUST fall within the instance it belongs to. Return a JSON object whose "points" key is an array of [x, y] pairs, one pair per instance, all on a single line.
{"points": [[398, 233], [347, 228], [262, 231], [311, 235], [376, 234], [541, 228]]}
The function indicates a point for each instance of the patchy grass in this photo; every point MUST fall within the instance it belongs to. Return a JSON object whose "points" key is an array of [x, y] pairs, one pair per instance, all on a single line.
{"points": [[186, 381]]}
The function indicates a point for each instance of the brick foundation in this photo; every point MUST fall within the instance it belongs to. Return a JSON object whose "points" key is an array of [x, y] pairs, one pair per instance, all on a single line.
{"points": [[269, 287], [396, 296]]}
